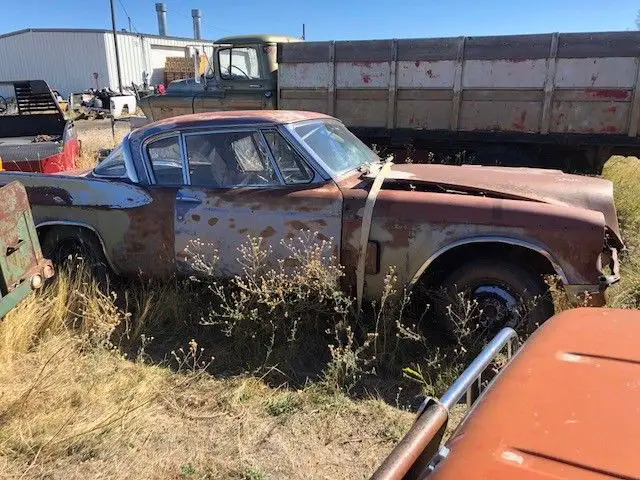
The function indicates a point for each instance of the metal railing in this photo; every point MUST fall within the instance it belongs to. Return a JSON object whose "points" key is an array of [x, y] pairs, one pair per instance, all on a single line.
{"points": [[415, 455], [473, 373]]}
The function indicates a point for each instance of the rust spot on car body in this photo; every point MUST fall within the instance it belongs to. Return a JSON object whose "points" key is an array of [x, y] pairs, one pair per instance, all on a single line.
{"points": [[148, 245], [267, 232], [212, 221], [298, 225], [195, 217], [49, 196]]}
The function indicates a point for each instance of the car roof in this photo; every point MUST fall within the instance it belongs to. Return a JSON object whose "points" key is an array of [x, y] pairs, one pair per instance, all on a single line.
{"points": [[568, 406], [228, 118]]}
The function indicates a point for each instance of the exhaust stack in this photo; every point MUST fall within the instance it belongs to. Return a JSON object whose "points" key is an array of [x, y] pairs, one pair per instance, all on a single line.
{"points": [[161, 10], [195, 13]]}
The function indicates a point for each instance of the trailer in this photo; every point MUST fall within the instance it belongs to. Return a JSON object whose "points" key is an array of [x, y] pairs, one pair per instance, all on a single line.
{"points": [[561, 100]]}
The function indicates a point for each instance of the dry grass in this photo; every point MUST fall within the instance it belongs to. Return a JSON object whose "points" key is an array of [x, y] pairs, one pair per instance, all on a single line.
{"points": [[72, 406], [94, 139], [624, 172]]}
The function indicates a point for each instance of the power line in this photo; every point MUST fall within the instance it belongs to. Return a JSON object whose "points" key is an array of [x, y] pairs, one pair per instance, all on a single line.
{"points": [[131, 25]]}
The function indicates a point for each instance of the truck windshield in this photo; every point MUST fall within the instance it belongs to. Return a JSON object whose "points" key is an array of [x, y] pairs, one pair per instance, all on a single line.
{"points": [[334, 145], [239, 63]]}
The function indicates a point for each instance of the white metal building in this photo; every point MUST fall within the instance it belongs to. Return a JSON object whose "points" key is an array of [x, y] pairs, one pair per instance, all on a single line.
{"points": [[69, 59]]}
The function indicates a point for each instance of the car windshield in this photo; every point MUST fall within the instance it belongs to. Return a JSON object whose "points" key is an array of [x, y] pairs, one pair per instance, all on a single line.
{"points": [[336, 147]]}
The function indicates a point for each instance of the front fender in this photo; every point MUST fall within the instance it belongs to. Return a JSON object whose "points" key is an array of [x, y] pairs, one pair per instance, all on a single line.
{"points": [[411, 229]]}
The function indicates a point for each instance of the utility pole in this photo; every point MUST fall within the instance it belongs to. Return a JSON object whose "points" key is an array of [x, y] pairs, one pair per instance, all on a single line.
{"points": [[115, 42], [303, 32]]}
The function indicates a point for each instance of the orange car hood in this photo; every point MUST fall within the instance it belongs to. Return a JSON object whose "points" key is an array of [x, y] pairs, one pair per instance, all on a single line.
{"points": [[567, 407]]}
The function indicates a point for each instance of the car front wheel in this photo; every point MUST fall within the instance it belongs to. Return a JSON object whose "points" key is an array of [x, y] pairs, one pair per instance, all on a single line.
{"points": [[483, 296]]}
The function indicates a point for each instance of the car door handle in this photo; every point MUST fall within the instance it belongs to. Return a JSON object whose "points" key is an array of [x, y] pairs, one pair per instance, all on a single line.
{"points": [[188, 198], [254, 85]]}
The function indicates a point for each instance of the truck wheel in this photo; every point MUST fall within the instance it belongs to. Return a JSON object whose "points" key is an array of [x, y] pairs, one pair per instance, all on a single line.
{"points": [[67, 245], [492, 294]]}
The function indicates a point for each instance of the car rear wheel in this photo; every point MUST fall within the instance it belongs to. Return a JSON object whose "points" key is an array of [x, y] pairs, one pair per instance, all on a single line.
{"points": [[74, 247], [481, 297]]}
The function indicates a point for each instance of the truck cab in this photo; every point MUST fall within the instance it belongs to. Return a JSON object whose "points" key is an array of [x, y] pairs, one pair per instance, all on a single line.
{"points": [[242, 75]]}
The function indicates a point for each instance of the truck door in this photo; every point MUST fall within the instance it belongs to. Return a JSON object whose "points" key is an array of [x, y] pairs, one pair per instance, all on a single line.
{"points": [[249, 183], [245, 78]]}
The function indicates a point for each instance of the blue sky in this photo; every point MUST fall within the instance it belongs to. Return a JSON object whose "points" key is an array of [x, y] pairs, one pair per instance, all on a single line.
{"points": [[332, 19]]}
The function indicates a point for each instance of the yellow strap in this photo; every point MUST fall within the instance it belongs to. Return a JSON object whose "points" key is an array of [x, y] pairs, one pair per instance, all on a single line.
{"points": [[366, 227]]}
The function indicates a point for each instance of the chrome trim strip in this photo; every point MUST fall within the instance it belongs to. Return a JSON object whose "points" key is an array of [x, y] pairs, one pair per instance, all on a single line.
{"points": [[81, 225], [490, 239], [129, 164], [146, 161]]}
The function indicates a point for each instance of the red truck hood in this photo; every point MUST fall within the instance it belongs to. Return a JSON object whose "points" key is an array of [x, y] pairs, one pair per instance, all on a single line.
{"points": [[538, 185]]}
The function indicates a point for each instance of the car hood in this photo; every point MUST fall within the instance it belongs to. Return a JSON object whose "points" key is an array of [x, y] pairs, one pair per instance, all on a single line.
{"points": [[566, 407], [537, 185]]}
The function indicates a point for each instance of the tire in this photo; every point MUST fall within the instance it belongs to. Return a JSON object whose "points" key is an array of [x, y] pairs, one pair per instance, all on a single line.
{"points": [[493, 294], [67, 246]]}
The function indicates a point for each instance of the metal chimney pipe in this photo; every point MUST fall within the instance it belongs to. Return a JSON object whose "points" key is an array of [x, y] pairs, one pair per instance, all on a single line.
{"points": [[161, 10], [195, 13]]}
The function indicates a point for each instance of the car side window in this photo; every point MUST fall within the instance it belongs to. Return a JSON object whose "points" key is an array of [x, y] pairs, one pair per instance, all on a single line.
{"points": [[227, 160], [113, 166], [292, 166], [166, 161]]}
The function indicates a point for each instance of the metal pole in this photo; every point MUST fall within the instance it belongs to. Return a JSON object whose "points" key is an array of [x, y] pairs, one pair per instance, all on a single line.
{"points": [[303, 32], [115, 42]]}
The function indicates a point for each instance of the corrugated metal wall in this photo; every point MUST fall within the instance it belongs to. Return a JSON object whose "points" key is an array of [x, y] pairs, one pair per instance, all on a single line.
{"points": [[68, 59], [140, 55]]}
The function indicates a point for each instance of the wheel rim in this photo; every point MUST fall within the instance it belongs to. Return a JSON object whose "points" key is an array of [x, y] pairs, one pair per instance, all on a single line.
{"points": [[498, 306], [70, 250]]}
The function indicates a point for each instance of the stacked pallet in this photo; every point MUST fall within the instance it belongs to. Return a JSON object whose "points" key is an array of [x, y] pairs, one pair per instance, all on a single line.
{"points": [[177, 68]]}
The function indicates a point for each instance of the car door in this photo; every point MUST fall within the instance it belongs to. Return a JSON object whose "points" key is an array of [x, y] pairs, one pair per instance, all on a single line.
{"points": [[248, 183]]}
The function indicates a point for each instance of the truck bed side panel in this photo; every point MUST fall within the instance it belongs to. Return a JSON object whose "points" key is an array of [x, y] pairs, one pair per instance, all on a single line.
{"points": [[560, 83]]}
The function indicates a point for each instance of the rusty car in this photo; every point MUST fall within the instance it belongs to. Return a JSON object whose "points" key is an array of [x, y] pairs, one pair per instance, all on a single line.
{"points": [[22, 266], [221, 177], [542, 416]]}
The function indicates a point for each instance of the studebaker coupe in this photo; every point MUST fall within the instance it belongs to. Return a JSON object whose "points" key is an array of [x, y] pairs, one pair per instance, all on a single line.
{"points": [[221, 177]]}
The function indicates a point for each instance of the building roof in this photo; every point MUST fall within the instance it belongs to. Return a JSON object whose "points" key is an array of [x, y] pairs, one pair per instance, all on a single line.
{"points": [[98, 30]]}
